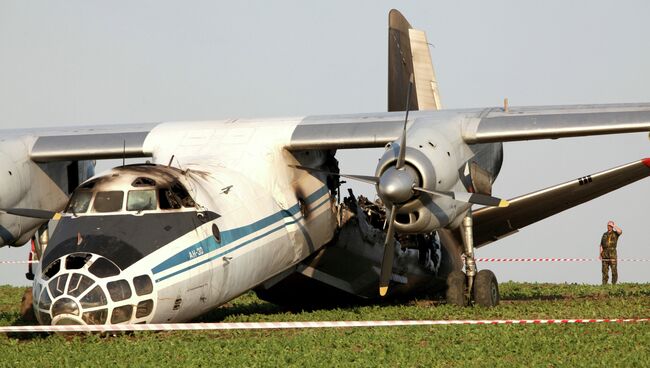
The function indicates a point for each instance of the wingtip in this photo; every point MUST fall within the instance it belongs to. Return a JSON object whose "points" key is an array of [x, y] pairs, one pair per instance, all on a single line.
{"points": [[646, 161], [504, 203], [383, 290]]}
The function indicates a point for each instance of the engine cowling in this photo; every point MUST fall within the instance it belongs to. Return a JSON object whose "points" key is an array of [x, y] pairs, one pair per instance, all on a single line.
{"points": [[433, 161], [25, 184]]}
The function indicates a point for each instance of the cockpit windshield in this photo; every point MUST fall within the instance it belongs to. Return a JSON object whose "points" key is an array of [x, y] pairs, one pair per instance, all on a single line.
{"points": [[109, 201], [141, 200], [79, 202], [142, 194]]}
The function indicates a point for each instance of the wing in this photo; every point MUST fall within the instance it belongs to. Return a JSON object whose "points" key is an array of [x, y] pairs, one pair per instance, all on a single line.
{"points": [[476, 125], [85, 143], [551, 122], [493, 223]]}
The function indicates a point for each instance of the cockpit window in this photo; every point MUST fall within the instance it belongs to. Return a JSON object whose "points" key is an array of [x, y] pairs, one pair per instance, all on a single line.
{"points": [[168, 201], [79, 202], [110, 201], [143, 182], [175, 197], [141, 200]]}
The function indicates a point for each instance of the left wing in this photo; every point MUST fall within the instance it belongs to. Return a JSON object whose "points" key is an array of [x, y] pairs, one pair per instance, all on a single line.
{"points": [[552, 122], [493, 223]]}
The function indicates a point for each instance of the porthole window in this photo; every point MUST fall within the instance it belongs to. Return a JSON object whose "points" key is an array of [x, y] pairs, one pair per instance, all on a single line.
{"points": [[143, 285], [144, 308], [102, 267], [216, 233], [95, 298], [119, 290], [57, 285], [122, 314]]}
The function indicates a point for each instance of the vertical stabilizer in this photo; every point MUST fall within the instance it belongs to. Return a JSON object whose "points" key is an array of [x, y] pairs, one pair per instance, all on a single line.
{"points": [[408, 52]]}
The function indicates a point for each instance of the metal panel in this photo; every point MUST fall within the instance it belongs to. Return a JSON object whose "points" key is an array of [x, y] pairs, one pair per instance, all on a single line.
{"points": [[426, 86], [347, 131], [494, 223], [551, 122], [89, 146]]}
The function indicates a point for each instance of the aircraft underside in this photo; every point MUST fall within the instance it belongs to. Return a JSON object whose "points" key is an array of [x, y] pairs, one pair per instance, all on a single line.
{"points": [[347, 269]]}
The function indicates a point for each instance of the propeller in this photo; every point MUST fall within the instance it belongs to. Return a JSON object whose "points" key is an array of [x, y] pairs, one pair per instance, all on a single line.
{"points": [[396, 186], [33, 213]]}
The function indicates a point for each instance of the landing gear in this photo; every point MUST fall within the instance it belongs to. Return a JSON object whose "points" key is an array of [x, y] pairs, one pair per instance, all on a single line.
{"points": [[486, 289], [456, 286], [477, 287]]}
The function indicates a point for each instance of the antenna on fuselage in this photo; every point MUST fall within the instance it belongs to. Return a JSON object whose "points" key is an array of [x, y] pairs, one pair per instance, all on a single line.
{"points": [[123, 152], [171, 159]]}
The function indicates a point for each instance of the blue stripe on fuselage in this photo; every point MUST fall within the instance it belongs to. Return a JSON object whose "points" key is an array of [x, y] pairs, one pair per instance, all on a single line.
{"points": [[229, 236]]}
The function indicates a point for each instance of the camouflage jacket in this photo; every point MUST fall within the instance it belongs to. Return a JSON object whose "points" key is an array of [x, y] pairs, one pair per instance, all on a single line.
{"points": [[609, 240]]}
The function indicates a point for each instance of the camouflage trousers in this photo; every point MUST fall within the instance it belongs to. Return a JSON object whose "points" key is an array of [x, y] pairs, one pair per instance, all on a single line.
{"points": [[609, 261]]}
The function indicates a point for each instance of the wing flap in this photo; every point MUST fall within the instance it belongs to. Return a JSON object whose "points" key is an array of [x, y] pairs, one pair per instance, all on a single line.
{"points": [[493, 223], [347, 131], [89, 146]]}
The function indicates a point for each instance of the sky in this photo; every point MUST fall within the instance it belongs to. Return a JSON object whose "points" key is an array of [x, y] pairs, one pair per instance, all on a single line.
{"points": [[89, 62]]}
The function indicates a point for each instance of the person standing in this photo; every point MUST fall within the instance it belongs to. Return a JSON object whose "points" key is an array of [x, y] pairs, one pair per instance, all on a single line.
{"points": [[608, 251]]}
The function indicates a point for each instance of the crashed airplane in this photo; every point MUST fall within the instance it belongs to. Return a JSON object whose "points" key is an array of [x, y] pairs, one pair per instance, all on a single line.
{"points": [[227, 206]]}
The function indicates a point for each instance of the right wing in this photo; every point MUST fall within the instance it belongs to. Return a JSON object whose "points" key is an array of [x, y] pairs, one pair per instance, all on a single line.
{"points": [[493, 223]]}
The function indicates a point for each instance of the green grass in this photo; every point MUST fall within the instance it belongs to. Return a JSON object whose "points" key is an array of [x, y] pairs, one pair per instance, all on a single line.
{"points": [[608, 344]]}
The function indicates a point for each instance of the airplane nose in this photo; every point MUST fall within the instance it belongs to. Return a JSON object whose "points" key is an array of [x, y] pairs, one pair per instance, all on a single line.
{"points": [[90, 289]]}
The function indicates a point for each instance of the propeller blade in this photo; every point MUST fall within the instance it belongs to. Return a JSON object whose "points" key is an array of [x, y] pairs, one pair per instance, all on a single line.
{"points": [[363, 178], [473, 198], [401, 158], [389, 254], [28, 212]]}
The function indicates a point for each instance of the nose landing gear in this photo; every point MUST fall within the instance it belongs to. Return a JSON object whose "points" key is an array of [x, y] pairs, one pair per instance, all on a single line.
{"points": [[480, 288]]}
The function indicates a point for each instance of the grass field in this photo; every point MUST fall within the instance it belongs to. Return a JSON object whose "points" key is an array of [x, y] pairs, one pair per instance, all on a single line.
{"points": [[606, 344]]}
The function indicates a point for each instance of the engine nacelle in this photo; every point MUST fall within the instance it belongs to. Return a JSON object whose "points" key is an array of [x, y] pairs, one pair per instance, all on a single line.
{"points": [[434, 161], [26, 184]]}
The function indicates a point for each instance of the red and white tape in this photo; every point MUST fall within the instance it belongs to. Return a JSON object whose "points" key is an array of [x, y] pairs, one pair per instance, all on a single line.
{"points": [[478, 260], [302, 325], [17, 262], [557, 260]]}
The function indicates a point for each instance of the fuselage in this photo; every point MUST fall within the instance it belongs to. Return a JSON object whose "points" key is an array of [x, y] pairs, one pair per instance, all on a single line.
{"points": [[223, 214]]}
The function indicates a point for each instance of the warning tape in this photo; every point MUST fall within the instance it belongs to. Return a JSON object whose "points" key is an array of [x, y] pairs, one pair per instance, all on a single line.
{"points": [[558, 260], [302, 325], [17, 262], [480, 260]]}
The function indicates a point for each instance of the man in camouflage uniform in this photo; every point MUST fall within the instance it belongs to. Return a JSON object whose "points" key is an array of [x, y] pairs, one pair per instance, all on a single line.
{"points": [[608, 251]]}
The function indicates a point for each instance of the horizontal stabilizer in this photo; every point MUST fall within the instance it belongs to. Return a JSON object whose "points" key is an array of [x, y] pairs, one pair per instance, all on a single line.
{"points": [[492, 223]]}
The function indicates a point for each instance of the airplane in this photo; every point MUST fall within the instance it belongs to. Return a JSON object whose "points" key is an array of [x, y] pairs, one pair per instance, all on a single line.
{"points": [[227, 206]]}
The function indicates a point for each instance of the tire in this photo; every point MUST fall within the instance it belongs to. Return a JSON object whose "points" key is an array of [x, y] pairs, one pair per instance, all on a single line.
{"points": [[486, 289], [456, 285], [26, 307]]}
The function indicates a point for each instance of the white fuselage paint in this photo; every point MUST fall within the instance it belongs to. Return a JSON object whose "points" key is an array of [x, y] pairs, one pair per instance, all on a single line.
{"points": [[272, 216]]}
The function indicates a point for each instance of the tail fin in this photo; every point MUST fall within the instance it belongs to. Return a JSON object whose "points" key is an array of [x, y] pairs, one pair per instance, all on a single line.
{"points": [[408, 52]]}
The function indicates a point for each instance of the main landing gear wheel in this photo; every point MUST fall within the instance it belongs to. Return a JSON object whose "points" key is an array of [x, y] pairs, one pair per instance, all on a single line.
{"points": [[486, 289], [456, 285]]}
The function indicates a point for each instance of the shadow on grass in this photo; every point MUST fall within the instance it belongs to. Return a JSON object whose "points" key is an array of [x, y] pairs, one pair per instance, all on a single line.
{"points": [[18, 320]]}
